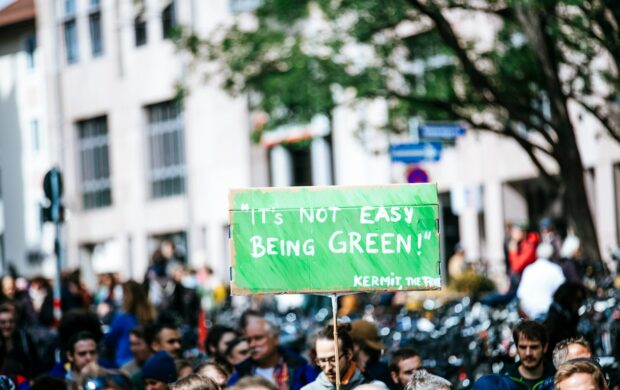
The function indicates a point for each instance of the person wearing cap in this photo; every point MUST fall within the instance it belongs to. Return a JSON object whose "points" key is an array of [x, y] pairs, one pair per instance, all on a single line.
{"points": [[159, 371], [367, 351]]}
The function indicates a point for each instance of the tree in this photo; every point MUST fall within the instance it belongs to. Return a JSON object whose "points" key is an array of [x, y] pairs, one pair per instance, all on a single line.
{"points": [[514, 76]]}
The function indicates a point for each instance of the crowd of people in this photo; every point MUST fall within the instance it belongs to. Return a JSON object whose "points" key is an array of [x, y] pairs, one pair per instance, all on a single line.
{"points": [[162, 334]]}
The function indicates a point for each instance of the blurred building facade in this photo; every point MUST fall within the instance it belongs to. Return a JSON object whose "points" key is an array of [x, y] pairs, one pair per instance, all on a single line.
{"points": [[140, 166], [24, 156]]}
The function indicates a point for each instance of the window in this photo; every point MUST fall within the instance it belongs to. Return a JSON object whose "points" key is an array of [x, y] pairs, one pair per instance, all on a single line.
{"points": [[139, 26], [94, 19], [166, 149], [36, 135], [169, 20], [31, 45], [301, 161], [139, 23], [94, 163], [240, 6], [70, 28]]}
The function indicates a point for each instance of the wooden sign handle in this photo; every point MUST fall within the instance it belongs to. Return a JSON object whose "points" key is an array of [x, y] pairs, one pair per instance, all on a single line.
{"points": [[337, 355]]}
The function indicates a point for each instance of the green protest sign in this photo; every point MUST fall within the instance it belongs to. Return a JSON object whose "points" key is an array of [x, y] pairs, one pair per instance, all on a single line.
{"points": [[334, 239]]}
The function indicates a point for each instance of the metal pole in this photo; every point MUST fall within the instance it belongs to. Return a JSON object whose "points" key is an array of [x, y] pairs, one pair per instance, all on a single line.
{"points": [[55, 184], [337, 355]]}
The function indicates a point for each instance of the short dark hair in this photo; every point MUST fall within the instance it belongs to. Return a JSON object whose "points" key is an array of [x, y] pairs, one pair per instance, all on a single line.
{"points": [[153, 331], [79, 336], [215, 335], [139, 332], [531, 330], [233, 343], [344, 336], [400, 355]]}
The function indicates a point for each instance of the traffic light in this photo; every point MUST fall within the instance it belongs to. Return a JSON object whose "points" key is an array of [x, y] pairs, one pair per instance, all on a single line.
{"points": [[52, 187]]}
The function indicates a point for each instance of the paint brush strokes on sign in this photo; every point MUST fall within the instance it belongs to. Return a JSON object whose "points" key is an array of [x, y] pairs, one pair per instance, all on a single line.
{"points": [[334, 239]]}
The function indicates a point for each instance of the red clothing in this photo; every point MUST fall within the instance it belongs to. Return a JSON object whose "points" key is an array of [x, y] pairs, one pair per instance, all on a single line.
{"points": [[525, 253]]}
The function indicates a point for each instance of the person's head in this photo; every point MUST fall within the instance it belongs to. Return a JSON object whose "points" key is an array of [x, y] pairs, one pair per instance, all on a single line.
{"points": [[9, 286], [237, 350], [570, 349], [7, 320], [544, 250], [403, 364], [326, 355], [423, 380], [495, 382], [75, 321], [530, 338], [517, 232], [571, 247], [215, 372], [254, 383], [136, 302], [218, 339], [184, 368], [165, 337], [159, 371], [580, 374], [138, 346], [194, 382], [46, 382], [82, 350], [263, 338], [367, 345], [570, 296]]}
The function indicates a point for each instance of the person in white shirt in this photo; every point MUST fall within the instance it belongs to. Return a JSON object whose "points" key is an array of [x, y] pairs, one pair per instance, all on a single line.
{"points": [[538, 283]]}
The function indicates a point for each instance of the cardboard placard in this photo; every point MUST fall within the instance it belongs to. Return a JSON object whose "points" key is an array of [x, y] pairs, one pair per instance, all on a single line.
{"points": [[334, 239]]}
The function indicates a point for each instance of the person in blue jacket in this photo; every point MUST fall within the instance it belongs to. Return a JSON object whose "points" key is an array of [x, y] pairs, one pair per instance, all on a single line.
{"points": [[136, 310]]}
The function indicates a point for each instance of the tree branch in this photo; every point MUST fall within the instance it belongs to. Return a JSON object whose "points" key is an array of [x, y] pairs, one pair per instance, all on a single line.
{"points": [[479, 80], [602, 118]]}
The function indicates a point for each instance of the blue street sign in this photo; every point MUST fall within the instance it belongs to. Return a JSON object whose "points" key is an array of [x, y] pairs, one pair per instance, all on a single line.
{"points": [[441, 130], [414, 153]]}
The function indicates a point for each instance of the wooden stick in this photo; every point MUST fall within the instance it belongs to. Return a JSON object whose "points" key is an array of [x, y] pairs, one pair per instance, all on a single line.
{"points": [[337, 356]]}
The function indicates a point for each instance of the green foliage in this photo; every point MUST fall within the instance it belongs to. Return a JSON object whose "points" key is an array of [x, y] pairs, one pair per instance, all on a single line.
{"points": [[471, 282], [300, 52]]}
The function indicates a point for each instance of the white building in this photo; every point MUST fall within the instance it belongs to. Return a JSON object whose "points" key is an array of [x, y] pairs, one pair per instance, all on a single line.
{"points": [[139, 167], [24, 156]]}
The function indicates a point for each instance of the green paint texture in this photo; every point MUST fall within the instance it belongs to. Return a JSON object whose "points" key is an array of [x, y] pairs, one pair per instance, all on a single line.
{"points": [[334, 239]]}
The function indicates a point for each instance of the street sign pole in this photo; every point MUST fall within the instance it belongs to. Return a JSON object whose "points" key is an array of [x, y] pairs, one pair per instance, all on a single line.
{"points": [[52, 185]]}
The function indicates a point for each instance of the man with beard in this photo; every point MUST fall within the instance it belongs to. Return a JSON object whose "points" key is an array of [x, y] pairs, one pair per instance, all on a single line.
{"points": [[350, 375], [531, 372], [287, 370]]}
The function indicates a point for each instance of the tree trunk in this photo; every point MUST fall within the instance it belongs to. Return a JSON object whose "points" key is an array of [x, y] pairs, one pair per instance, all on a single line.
{"points": [[574, 195]]}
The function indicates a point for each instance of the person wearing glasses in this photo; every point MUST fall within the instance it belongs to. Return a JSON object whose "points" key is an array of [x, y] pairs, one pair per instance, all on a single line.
{"points": [[287, 370], [350, 375]]}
